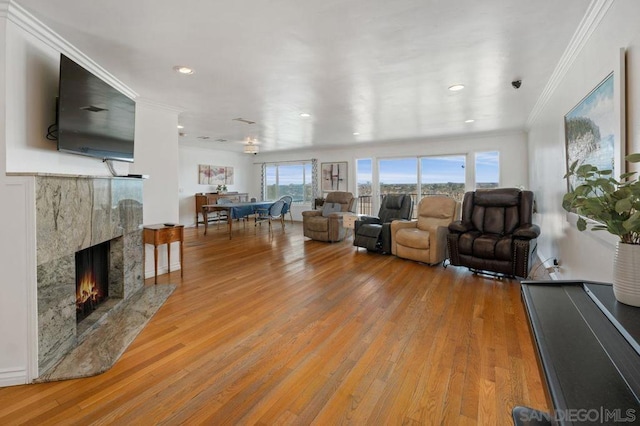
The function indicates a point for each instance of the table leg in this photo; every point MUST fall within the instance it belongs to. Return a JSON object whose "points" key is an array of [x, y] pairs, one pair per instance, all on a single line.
{"points": [[181, 267], [169, 257], [206, 220], [155, 264], [230, 223]]}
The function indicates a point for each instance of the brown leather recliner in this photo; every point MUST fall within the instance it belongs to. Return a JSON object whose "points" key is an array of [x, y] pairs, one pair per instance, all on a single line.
{"points": [[326, 224], [495, 233]]}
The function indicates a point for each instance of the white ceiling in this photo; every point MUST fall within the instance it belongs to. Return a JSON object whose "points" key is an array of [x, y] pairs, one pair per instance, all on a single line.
{"points": [[377, 67]]}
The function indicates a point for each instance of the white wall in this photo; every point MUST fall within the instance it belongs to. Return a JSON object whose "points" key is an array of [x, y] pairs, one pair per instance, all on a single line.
{"points": [[583, 255], [15, 255], [156, 155], [511, 145], [190, 157]]}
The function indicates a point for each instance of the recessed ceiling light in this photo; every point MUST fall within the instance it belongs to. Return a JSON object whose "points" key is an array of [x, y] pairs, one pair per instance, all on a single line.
{"points": [[456, 87], [305, 115], [183, 70], [471, 120], [180, 126], [356, 133]]}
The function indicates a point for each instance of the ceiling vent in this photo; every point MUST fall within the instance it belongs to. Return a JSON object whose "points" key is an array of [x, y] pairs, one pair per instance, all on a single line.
{"points": [[244, 120]]}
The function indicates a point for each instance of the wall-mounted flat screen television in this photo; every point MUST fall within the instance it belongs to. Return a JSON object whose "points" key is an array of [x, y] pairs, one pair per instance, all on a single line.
{"points": [[94, 118]]}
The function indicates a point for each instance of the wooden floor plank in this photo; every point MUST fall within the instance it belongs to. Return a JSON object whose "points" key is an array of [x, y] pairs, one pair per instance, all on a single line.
{"points": [[273, 328]]}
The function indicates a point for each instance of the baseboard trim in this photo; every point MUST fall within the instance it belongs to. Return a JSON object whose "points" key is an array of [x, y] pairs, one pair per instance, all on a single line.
{"points": [[13, 377], [162, 270]]}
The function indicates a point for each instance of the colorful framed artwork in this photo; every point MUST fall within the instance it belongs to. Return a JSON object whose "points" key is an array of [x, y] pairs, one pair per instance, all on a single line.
{"points": [[211, 175]]}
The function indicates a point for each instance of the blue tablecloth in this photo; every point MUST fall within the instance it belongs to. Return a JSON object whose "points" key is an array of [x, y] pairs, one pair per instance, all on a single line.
{"points": [[238, 210]]}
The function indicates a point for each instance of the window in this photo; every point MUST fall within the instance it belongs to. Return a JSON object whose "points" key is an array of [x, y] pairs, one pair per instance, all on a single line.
{"points": [[487, 169], [398, 176], [292, 179], [443, 176], [364, 182], [364, 176]]}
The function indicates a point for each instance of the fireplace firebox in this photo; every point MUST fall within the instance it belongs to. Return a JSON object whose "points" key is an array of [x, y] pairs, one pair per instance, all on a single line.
{"points": [[92, 279]]}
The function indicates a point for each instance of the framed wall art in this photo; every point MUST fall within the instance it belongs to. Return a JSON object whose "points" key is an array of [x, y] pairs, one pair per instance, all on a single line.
{"points": [[334, 176], [211, 175], [594, 128]]}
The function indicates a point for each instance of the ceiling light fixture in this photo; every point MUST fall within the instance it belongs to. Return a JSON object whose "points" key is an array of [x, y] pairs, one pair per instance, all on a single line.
{"points": [[456, 87], [356, 133], [180, 126], [250, 147], [305, 115], [183, 70], [471, 120]]}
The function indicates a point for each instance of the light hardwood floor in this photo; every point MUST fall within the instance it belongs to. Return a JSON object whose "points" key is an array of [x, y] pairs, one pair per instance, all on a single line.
{"points": [[284, 330]]}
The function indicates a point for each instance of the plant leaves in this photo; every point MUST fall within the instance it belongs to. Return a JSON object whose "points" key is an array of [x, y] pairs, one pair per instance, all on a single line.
{"points": [[633, 158], [582, 224]]}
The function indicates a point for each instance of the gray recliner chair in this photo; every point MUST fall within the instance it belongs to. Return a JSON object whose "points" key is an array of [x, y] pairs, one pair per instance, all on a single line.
{"points": [[327, 224], [374, 232]]}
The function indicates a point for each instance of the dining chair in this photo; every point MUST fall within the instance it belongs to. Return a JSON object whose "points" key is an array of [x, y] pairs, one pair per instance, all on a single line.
{"points": [[288, 200], [272, 213]]}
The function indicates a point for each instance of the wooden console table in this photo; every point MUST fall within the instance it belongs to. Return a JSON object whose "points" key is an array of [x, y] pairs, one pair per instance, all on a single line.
{"points": [[588, 349], [163, 234]]}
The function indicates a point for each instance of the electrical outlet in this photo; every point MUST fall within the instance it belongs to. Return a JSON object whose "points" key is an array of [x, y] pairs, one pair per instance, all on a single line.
{"points": [[555, 267]]}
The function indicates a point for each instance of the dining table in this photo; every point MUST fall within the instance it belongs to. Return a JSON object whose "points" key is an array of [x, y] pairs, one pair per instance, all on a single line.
{"points": [[234, 211]]}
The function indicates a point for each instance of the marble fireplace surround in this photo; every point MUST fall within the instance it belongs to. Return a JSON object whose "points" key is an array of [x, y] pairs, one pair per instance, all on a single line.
{"points": [[73, 213]]}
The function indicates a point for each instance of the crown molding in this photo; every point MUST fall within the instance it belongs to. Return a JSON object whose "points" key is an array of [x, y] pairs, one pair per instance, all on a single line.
{"points": [[591, 20], [158, 105], [17, 15], [4, 7]]}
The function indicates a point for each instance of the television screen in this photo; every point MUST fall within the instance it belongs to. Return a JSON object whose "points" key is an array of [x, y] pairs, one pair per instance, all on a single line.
{"points": [[94, 118]]}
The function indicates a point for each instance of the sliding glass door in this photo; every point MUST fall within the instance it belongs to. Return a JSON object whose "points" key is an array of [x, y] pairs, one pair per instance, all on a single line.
{"points": [[424, 176]]}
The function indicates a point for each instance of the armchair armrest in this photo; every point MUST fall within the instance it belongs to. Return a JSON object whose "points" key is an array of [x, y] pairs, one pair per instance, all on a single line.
{"points": [[400, 224], [527, 232], [368, 219], [460, 227], [312, 213]]}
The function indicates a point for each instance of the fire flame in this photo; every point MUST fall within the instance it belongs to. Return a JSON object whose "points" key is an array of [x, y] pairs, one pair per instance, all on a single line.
{"points": [[87, 290]]}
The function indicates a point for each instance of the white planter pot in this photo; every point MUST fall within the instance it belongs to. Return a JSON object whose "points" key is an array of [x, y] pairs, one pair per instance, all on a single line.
{"points": [[626, 274]]}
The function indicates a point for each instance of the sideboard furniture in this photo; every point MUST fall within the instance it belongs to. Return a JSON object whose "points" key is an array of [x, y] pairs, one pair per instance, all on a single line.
{"points": [[588, 347], [203, 198], [163, 234]]}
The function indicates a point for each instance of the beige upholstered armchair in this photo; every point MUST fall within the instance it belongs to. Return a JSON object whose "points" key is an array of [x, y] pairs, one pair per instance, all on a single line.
{"points": [[326, 224], [425, 239]]}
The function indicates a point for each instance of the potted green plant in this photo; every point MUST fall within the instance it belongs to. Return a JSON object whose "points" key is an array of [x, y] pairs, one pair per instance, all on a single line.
{"points": [[614, 205]]}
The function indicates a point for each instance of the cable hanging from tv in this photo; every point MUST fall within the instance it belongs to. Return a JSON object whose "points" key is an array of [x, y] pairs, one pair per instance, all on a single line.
{"points": [[109, 164], [52, 132]]}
